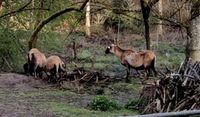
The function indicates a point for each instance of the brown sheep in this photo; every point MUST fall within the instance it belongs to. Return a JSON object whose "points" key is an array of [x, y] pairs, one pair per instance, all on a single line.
{"points": [[54, 66], [36, 61], [133, 59]]}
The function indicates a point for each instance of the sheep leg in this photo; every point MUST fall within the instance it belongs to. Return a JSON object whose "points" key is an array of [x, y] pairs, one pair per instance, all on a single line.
{"points": [[57, 72], [30, 69], [47, 75], [153, 67], [61, 70], [60, 74], [40, 74], [154, 70], [26, 69], [128, 73], [148, 73], [49, 78], [35, 74]]}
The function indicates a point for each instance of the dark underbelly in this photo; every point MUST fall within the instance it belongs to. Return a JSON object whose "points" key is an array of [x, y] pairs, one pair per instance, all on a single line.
{"points": [[138, 68]]}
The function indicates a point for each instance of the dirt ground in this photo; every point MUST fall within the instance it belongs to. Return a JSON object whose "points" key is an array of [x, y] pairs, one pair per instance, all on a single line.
{"points": [[23, 96], [12, 102]]}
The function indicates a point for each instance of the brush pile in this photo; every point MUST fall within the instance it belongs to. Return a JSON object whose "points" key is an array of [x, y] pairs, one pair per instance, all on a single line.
{"points": [[176, 91], [80, 75]]}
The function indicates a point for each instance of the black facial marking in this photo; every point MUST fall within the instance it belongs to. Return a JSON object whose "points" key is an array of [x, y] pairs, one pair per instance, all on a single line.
{"points": [[107, 51]]}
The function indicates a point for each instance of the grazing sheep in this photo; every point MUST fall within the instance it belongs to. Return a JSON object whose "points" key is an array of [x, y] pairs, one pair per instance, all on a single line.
{"points": [[133, 59], [36, 61], [54, 66]]}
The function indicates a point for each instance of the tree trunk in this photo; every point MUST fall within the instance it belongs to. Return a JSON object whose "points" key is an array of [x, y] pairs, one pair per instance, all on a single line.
{"points": [[193, 32], [146, 8], [87, 26], [1, 5], [160, 27], [193, 40], [147, 34], [145, 14]]}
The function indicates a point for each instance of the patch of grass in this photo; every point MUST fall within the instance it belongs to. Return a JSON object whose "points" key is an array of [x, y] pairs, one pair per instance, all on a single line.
{"points": [[134, 86], [62, 109], [103, 103], [99, 66], [138, 43], [101, 62], [84, 54], [107, 59], [170, 60], [170, 54], [134, 103]]}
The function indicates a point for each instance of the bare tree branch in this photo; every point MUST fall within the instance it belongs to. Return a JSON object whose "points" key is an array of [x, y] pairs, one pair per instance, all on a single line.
{"points": [[195, 11], [169, 19], [152, 2], [172, 21], [33, 39], [17, 11], [178, 9]]}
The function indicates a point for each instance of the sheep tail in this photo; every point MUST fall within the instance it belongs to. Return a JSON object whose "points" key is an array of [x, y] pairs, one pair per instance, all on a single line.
{"points": [[154, 61], [153, 65], [61, 66]]}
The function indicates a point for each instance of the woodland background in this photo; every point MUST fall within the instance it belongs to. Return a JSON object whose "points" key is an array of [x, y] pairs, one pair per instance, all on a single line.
{"points": [[80, 30]]}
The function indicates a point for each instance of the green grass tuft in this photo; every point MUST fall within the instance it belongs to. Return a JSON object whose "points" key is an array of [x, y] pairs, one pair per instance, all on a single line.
{"points": [[62, 109]]}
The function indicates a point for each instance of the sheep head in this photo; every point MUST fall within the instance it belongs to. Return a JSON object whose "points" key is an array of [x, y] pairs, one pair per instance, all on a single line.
{"points": [[110, 49]]}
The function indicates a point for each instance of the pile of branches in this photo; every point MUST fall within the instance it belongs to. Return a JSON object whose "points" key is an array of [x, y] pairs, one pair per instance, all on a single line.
{"points": [[176, 91], [81, 75]]}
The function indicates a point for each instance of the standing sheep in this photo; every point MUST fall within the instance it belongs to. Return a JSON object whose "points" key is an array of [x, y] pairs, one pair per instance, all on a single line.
{"points": [[54, 66], [132, 59], [36, 61]]}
